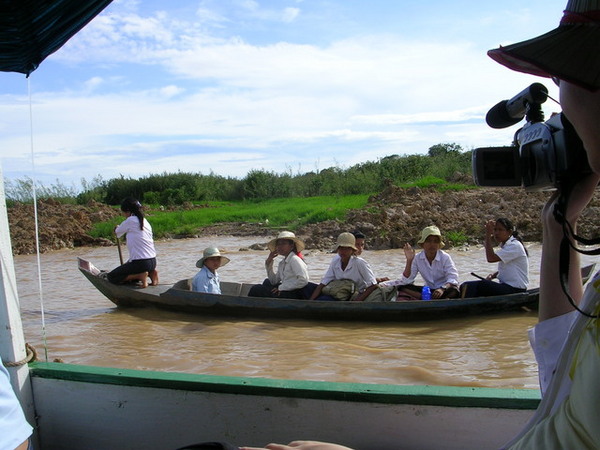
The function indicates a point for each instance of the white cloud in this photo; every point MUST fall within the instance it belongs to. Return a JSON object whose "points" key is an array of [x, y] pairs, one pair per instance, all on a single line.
{"points": [[183, 95], [290, 14]]}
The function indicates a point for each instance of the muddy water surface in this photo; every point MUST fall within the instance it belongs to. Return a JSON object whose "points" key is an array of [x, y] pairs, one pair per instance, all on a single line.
{"points": [[83, 327]]}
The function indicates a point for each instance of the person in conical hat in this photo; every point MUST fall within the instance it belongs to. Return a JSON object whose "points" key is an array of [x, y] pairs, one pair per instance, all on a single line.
{"points": [[207, 278], [292, 274], [435, 266], [565, 341]]}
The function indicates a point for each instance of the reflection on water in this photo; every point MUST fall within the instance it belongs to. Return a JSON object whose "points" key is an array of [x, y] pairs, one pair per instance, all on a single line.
{"points": [[84, 327]]}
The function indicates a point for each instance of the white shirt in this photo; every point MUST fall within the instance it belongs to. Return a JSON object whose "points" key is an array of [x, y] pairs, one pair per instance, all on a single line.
{"points": [[206, 281], [440, 272], [357, 270], [567, 350], [292, 273], [140, 243], [14, 428], [513, 269]]}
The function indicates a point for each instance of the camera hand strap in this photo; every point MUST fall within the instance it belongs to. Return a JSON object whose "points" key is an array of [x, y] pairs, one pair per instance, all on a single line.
{"points": [[560, 214]]}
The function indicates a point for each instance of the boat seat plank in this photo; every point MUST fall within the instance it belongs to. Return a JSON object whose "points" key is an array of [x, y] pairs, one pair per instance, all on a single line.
{"points": [[185, 284], [230, 288]]}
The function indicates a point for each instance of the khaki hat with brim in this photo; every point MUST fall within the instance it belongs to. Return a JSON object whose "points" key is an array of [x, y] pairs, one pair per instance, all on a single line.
{"points": [[569, 52], [211, 252], [346, 240], [288, 235], [430, 231]]}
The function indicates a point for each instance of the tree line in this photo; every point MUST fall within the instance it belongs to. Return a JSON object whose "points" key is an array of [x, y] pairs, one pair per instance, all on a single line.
{"points": [[443, 161]]}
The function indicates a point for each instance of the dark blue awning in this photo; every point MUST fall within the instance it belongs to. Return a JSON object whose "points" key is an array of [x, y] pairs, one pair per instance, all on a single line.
{"points": [[31, 30]]}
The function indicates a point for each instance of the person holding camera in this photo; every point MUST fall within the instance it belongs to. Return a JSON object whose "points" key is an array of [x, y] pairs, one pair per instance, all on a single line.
{"points": [[512, 258], [566, 341]]}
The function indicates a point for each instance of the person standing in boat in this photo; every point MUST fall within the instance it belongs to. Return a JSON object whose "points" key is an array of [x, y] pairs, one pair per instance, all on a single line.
{"points": [[512, 258], [140, 245], [435, 266], [207, 279], [347, 266], [292, 274]]}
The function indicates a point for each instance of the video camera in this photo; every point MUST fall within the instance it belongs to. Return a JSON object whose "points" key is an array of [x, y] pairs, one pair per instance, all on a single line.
{"points": [[543, 156]]}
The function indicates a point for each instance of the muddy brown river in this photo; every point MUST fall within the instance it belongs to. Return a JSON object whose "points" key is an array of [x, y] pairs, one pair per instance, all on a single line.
{"points": [[79, 325]]}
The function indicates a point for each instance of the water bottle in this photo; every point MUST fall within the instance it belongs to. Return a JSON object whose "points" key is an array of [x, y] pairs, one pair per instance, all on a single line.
{"points": [[426, 293]]}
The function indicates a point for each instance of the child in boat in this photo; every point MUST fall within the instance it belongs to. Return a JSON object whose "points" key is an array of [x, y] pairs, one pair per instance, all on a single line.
{"points": [[292, 274], [347, 266], [512, 258], [435, 266], [361, 240], [140, 245], [207, 279]]}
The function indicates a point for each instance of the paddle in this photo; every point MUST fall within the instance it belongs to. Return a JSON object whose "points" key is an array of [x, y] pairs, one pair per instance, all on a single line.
{"points": [[477, 276], [119, 248]]}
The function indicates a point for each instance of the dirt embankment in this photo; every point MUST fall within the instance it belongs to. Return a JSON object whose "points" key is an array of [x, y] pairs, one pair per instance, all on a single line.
{"points": [[60, 226], [397, 215], [391, 218]]}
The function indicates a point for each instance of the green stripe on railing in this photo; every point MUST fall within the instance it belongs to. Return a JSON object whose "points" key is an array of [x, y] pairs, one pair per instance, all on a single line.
{"points": [[351, 392]]}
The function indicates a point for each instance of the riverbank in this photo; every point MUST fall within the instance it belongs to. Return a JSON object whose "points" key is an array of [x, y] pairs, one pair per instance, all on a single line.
{"points": [[390, 219]]}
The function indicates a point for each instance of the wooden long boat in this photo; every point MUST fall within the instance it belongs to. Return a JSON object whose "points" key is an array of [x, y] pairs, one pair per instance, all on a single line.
{"points": [[234, 302]]}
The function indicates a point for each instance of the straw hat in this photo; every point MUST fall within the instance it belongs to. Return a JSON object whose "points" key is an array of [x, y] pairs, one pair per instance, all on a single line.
{"points": [[209, 253], [430, 231], [569, 52], [346, 240], [290, 237]]}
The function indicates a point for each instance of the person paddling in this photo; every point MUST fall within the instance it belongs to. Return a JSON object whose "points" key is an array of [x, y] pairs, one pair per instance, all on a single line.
{"points": [[140, 245]]}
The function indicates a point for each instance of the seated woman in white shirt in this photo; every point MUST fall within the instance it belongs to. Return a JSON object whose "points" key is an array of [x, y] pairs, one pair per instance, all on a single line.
{"points": [[347, 266], [207, 279], [435, 266], [292, 274], [512, 258]]}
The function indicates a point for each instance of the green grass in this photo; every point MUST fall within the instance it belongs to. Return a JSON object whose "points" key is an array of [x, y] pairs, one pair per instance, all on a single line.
{"points": [[437, 183], [290, 213], [456, 238]]}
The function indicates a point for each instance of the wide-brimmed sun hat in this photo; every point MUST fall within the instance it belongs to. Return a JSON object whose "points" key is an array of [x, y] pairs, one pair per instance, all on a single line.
{"points": [[346, 240], [569, 52], [430, 231], [209, 253], [290, 237]]}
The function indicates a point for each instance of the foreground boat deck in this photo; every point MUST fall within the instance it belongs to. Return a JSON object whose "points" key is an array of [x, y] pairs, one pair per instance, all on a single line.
{"points": [[95, 407]]}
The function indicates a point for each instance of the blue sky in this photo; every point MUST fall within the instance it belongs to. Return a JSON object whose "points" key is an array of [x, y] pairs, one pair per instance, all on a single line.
{"points": [[227, 86]]}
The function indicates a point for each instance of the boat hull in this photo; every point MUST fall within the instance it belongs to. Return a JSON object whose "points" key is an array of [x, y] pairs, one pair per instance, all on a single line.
{"points": [[237, 305]]}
